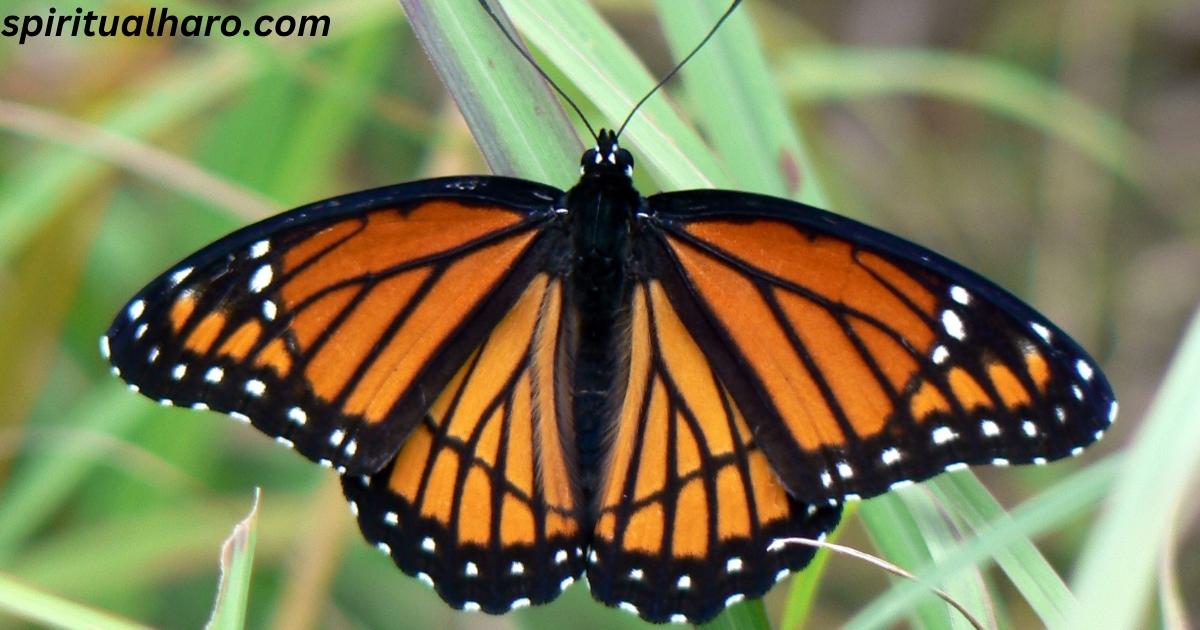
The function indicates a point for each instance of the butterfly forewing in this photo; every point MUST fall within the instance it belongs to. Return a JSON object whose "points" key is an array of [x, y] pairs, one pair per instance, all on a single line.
{"points": [[481, 501], [864, 361], [689, 507], [331, 326]]}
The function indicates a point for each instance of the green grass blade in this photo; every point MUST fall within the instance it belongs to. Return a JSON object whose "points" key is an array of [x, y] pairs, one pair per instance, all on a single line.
{"points": [[1118, 566], [49, 610], [1021, 561], [747, 615], [507, 105], [737, 101], [586, 50], [41, 485], [895, 532], [237, 563], [833, 73], [1066, 500]]}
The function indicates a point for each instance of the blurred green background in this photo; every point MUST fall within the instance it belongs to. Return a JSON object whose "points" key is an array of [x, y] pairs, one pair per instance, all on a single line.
{"points": [[1053, 146]]}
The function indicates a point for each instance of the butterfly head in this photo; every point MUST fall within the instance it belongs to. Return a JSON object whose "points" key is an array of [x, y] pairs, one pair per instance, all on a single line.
{"points": [[607, 158]]}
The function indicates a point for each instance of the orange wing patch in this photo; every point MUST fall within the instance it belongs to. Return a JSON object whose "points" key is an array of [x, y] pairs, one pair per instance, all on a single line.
{"points": [[866, 368], [487, 475]]}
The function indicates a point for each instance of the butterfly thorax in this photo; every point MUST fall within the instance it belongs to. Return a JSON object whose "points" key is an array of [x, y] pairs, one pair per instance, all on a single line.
{"points": [[601, 209]]}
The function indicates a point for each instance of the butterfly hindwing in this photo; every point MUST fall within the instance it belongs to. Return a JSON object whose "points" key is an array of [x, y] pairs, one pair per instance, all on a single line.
{"points": [[689, 507], [481, 502], [861, 360], [329, 327]]}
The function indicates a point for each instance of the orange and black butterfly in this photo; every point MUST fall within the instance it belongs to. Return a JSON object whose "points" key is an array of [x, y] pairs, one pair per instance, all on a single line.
{"points": [[520, 386]]}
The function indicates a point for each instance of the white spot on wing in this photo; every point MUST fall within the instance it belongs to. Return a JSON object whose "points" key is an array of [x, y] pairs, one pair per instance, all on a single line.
{"points": [[567, 581], [214, 375], [941, 435], [890, 456], [956, 466], [384, 547], [260, 249], [152, 355], [261, 279], [1041, 331], [999, 461], [179, 371], [960, 295], [136, 308], [845, 471], [826, 478], [335, 437], [105, 350], [953, 325], [1029, 428], [520, 603], [684, 582], [517, 569], [240, 417], [255, 387], [141, 330], [471, 607], [286, 442], [425, 579], [1084, 369], [989, 428], [626, 606], [940, 354], [391, 518], [351, 448], [560, 557], [678, 618], [297, 415], [180, 276], [269, 310], [1112, 412], [903, 483], [471, 570], [428, 545], [783, 573], [636, 574], [733, 599], [733, 565]]}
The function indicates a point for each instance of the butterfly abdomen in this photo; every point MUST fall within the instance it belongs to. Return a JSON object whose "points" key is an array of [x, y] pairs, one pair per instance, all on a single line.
{"points": [[599, 224]]}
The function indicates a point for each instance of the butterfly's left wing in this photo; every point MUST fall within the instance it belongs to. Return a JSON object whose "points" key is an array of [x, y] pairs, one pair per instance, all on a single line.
{"points": [[332, 327], [862, 361]]}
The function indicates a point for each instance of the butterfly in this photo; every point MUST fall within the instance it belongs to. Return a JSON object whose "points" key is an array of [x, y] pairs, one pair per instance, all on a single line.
{"points": [[520, 385]]}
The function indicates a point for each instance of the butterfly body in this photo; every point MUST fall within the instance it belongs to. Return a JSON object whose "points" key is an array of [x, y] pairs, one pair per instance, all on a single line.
{"points": [[521, 385]]}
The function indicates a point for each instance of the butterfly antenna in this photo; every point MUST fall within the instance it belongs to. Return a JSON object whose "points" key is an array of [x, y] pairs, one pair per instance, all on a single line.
{"points": [[689, 56], [528, 57]]}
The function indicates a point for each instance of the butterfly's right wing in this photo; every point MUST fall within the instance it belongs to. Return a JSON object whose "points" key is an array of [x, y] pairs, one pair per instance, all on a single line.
{"points": [[691, 516]]}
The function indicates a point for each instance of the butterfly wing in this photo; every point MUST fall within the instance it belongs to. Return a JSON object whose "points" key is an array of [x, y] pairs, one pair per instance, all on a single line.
{"points": [[481, 501], [862, 361], [332, 327], [689, 507]]}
